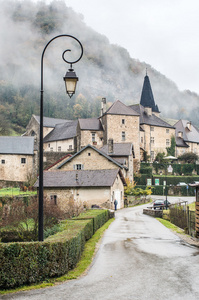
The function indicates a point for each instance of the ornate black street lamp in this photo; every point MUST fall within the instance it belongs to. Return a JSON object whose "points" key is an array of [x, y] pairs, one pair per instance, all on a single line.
{"points": [[70, 81]]}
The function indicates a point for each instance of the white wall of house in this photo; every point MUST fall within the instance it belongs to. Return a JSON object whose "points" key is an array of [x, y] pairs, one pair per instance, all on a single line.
{"points": [[59, 146]]}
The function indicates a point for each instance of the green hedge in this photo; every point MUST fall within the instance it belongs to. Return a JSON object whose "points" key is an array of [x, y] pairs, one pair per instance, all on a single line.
{"points": [[31, 262]]}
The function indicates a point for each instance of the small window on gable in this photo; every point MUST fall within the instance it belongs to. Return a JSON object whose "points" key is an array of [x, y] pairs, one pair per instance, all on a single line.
{"points": [[3, 161], [78, 167], [123, 121], [89, 154], [53, 199], [23, 160]]}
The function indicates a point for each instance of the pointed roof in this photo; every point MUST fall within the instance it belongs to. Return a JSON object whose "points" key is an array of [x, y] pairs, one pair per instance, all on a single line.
{"points": [[97, 150], [119, 108], [147, 99], [189, 135]]}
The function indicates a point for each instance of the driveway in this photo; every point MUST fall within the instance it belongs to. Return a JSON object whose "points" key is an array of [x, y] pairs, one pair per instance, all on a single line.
{"points": [[138, 258]]}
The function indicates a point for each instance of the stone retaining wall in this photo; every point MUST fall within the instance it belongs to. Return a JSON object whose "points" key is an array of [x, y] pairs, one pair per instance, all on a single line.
{"points": [[153, 212]]}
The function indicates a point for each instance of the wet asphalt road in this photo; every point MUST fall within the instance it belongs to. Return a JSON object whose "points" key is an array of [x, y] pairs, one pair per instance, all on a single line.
{"points": [[138, 258]]}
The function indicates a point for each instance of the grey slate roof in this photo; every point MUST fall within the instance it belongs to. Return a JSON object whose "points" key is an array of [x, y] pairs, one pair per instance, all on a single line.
{"points": [[188, 135], [119, 149], [50, 122], [17, 145], [119, 108], [86, 178], [181, 143], [152, 120], [147, 99], [97, 150], [90, 124], [62, 132]]}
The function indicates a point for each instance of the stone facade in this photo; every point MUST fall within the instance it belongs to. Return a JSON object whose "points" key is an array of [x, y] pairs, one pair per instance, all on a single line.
{"points": [[156, 139], [88, 196], [122, 129], [89, 137], [16, 168], [90, 159]]}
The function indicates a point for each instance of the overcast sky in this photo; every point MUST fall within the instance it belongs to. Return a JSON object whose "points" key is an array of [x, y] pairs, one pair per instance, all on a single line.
{"points": [[162, 33]]}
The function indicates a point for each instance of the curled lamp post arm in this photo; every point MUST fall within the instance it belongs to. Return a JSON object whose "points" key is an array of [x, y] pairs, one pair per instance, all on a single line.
{"points": [[40, 223]]}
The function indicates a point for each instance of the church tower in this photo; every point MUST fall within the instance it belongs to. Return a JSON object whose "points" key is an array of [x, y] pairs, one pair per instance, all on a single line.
{"points": [[147, 99]]}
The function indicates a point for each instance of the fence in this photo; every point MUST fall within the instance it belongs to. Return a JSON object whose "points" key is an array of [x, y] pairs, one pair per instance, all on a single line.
{"points": [[181, 216]]}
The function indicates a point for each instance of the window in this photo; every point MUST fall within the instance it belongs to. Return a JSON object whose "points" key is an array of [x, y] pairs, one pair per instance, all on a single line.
{"points": [[70, 147], [53, 199], [59, 148], [48, 145], [89, 154], [152, 155], [152, 128], [167, 130], [123, 136], [51, 149], [152, 140], [78, 167], [23, 160], [123, 121], [3, 161], [93, 136], [142, 139], [167, 142]]}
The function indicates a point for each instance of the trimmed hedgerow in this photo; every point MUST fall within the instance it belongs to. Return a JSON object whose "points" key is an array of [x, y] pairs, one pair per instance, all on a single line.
{"points": [[98, 218], [31, 262]]}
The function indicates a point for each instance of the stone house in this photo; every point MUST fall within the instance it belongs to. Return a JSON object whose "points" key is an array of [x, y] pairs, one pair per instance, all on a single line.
{"points": [[187, 137], [62, 138], [89, 131], [91, 158], [33, 127], [17, 158], [155, 133], [86, 187], [121, 123]]}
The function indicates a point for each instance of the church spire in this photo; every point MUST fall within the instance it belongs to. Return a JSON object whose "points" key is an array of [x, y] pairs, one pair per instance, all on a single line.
{"points": [[147, 99]]}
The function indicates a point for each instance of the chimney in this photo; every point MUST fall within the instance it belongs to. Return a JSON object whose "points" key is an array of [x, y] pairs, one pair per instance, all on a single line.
{"points": [[148, 111], [110, 146], [103, 106], [189, 125], [180, 134]]}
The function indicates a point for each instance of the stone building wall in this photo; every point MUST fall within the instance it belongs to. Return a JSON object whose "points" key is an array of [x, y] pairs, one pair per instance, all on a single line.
{"points": [[115, 129], [59, 146], [91, 160], [156, 139], [12, 167]]}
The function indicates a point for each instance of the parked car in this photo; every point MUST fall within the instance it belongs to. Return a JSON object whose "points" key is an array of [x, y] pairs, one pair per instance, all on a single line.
{"points": [[181, 184], [161, 204]]}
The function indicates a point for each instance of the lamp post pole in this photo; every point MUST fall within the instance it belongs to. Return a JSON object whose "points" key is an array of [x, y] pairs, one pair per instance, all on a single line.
{"points": [[70, 80]]}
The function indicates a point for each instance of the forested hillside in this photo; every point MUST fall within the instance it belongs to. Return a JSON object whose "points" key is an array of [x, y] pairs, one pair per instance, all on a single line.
{"points": [[105, 70]]}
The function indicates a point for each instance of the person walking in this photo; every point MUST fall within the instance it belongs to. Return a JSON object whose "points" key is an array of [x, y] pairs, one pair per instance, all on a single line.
{"points": [[115, 203]]}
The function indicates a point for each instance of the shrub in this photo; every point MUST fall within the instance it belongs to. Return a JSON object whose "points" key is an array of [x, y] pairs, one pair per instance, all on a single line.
{"points": [[25, 263]]}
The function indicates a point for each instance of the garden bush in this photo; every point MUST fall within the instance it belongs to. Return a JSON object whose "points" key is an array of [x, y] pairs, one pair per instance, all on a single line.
{"points": [[31, 262]]}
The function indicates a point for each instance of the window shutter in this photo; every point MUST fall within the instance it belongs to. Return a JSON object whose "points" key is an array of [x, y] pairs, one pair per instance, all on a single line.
{"points": [[73, 167]]}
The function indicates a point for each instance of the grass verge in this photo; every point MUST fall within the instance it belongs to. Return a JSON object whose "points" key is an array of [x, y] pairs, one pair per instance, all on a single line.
{"points": [[82, 266], [171, 226]]}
